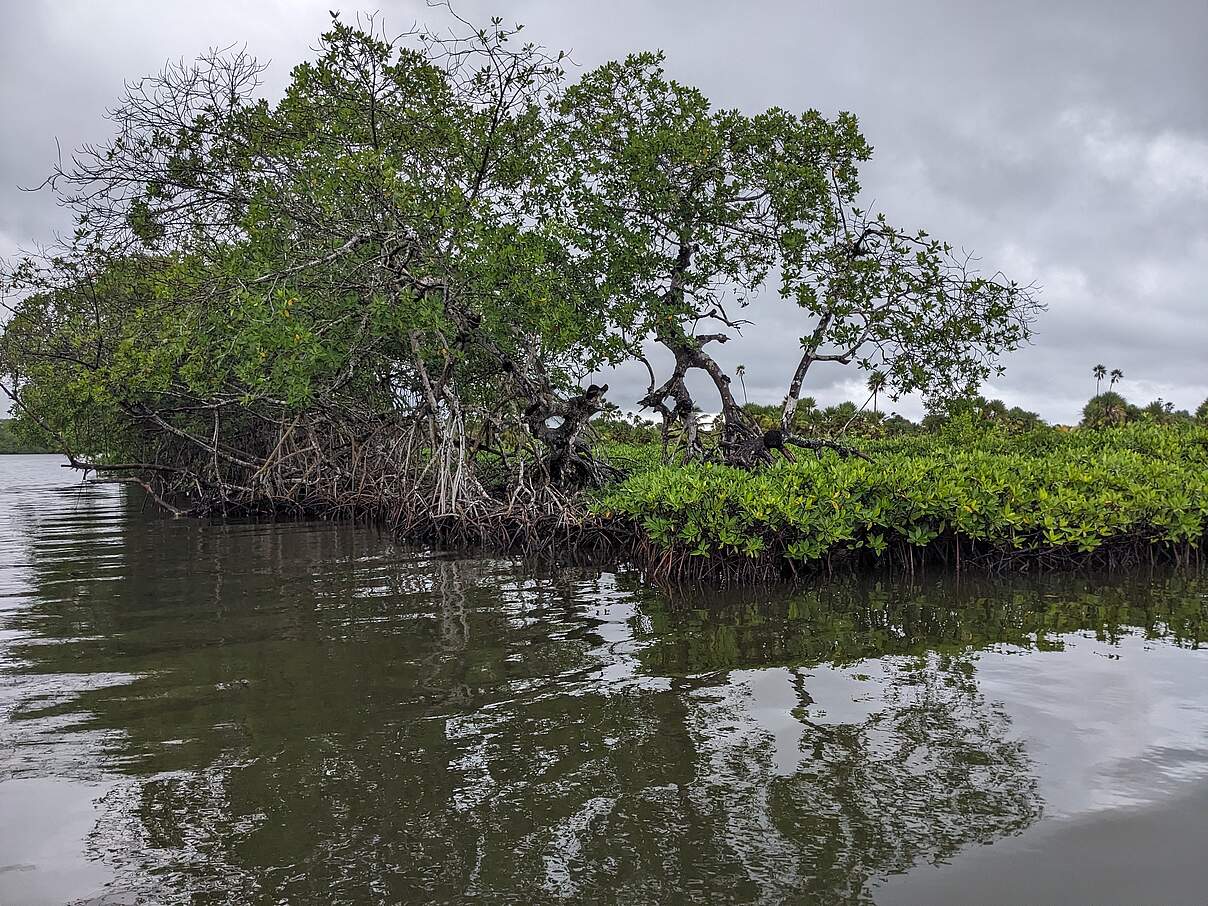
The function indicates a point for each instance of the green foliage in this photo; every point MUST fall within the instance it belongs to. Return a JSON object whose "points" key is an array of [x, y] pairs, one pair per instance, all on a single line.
{"points": [[426, 245], [616, 428], [768, 417], [977, 412], [972, 416], [12, 439], [1045, 490], [684, 204], [1201, 413], [840, 420], [1109, 408], [1163, 412], [308, 257]]}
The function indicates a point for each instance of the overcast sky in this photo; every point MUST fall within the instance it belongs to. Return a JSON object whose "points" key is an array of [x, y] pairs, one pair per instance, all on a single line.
{"points": [[1065, 143]]}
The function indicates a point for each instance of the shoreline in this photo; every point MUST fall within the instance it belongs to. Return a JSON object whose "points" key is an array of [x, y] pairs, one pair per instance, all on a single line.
{"points": [[992, 502], [613, 541]]}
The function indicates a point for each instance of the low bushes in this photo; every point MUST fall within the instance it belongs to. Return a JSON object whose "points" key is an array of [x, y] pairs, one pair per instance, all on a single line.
{"points": [[1116, 495]]}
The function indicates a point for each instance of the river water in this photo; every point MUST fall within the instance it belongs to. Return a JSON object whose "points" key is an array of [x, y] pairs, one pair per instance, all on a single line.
{"points": [[309, 713]]}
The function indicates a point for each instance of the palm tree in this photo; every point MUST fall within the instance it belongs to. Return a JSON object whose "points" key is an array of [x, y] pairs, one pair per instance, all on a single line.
{"points": [[876, 383], [1100, 373], [1117, 375], [1108, 408]]}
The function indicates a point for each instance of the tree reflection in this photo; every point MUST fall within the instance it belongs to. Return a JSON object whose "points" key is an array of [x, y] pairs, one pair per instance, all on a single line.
{"points": [[308, 714], [928, 769]]}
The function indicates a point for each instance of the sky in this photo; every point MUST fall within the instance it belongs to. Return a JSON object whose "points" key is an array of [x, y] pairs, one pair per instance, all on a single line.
{"points": [[1065, 144]]}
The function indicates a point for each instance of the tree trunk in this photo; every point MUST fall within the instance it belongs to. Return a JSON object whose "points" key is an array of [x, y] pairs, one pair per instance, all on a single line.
{"points": [[789, 411], [558, 423]]}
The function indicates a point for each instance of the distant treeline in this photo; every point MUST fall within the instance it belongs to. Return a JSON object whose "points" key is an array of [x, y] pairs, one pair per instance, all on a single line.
{"points": [[847, 419], [1110, 408], [11, 442]]}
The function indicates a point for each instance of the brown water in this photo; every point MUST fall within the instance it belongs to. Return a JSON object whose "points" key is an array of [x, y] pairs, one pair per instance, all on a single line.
{"points": [[298, 713]]}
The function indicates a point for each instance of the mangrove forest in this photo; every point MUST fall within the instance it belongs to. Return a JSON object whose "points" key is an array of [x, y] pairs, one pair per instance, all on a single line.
{"points": [[384, 295]]}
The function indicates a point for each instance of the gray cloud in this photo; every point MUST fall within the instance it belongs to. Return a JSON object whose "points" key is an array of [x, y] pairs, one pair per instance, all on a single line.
{"points": [[1067, 143]]}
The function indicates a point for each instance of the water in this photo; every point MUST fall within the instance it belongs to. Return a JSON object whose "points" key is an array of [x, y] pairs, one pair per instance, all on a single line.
{"points": [[311, 714]]}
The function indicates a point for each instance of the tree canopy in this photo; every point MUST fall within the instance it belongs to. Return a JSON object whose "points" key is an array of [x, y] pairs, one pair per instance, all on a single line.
{"points": [[394, 279]]}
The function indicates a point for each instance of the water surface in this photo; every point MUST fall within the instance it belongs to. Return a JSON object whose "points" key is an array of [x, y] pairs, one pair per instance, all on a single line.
{"points": [[302, 713]]}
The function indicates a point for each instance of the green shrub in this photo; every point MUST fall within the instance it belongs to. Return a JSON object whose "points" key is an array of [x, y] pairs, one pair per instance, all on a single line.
{"points": [[1041, 490]]}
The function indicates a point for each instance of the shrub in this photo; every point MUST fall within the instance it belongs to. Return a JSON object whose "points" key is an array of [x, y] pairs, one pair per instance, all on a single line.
{"points": [[1042, 491]]}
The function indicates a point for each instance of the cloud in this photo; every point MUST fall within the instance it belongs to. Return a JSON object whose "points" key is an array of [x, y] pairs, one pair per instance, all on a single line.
{"points": [[1165, 167]]}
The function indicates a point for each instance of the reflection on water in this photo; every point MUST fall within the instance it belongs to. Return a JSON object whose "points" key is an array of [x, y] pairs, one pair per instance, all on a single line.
{"points": [[308, 713]]}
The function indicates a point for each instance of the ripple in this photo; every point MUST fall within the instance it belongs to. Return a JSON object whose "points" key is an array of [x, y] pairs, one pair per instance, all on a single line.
{"points": [[298, 712]]}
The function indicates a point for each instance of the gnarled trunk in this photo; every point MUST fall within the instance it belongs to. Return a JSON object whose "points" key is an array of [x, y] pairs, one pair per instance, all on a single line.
{"points": [[559, 423], [741, 443]]}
